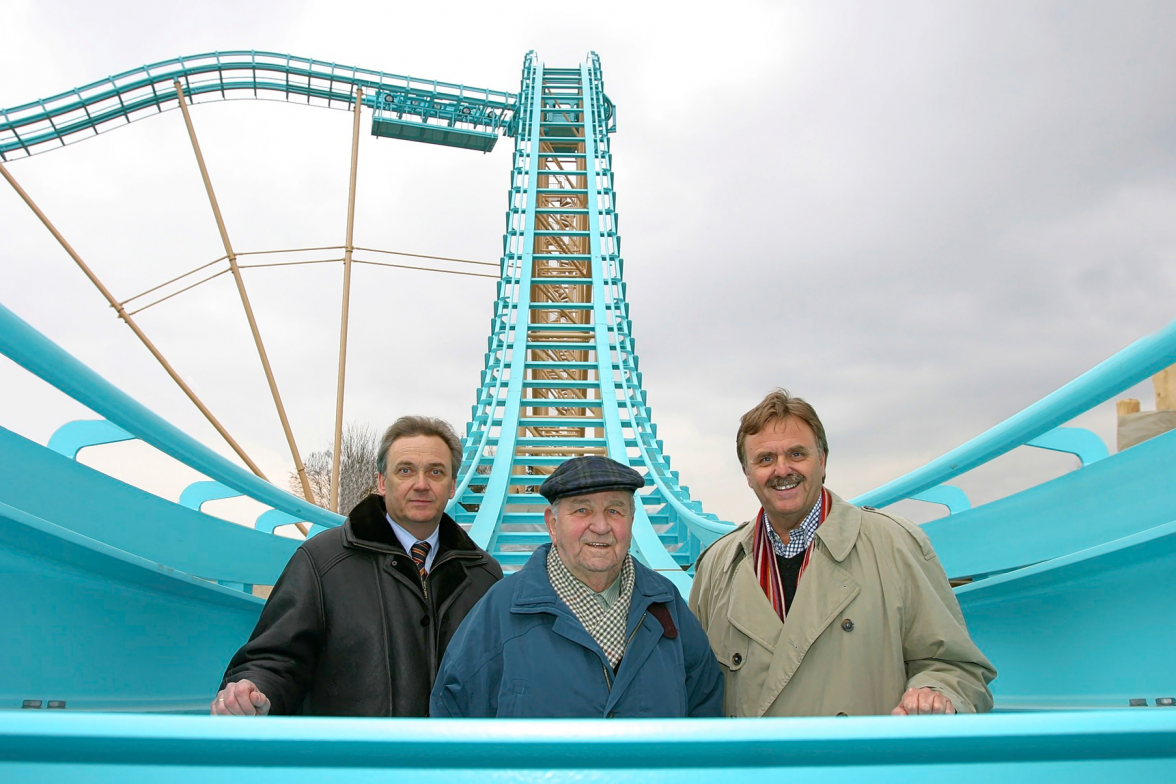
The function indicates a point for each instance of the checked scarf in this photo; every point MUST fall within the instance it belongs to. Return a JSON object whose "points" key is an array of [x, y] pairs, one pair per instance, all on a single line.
{"points": [[763, 557], [607, 626]]}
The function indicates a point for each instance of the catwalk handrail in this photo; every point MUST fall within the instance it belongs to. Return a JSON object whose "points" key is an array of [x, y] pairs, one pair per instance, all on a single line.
{"points": [[147, 90], [1133, 364], [45, 359]]}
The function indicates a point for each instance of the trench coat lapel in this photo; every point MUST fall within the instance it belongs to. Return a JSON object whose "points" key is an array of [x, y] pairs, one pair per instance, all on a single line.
{"points": [[749, 609], [822, 593]]}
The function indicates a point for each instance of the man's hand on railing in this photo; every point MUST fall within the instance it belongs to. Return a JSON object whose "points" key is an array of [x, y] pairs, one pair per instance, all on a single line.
{"points": [[922, 701], [240, 698]]}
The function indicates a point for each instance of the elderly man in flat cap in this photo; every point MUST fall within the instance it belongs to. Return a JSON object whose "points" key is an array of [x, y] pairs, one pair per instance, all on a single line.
{"points": [[583, 629]]}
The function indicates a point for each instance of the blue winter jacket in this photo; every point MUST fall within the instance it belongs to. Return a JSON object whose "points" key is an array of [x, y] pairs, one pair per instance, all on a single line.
{"points": [[522, 653]]}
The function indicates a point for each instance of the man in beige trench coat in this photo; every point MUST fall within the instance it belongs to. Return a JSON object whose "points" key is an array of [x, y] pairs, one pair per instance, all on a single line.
{"points": [[819, 608]]}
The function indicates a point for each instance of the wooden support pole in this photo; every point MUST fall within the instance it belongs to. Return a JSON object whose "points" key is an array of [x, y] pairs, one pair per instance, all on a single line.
{"points": [[336, 454], [130, 322], [1165, 386], [232, 257]]}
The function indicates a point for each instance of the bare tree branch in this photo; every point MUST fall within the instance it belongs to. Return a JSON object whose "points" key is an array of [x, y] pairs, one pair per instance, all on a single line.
{"points": [[357, 469]]}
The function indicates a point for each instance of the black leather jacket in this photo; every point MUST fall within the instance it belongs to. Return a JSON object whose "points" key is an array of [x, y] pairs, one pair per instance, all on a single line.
{"points": [[348, 630]]}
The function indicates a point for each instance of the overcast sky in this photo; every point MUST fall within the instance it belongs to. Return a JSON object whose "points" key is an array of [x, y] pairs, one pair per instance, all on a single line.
{"points": [[920, 216]]}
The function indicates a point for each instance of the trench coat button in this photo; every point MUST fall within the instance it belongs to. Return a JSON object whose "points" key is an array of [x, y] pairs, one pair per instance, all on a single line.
{"points": [[611, 715], [737, 659], [424, 620], [847, 625]]}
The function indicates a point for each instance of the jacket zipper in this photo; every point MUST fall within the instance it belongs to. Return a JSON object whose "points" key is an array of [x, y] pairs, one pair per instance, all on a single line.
{"points": [[451, 555], [634, 632], [607, 678], [431, 610]]}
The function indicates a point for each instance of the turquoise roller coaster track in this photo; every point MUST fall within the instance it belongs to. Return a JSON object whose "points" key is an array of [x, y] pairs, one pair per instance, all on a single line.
{"points": [[561, 375], [133, 603], [77, 114]]}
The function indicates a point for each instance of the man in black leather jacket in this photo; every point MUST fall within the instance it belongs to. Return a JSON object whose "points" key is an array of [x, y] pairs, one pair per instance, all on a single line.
{"points": [[361, 616]]}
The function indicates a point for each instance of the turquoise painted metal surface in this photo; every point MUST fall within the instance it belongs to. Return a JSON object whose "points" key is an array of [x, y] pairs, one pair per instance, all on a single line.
{"points": [[96, 628], [73, 437], [470, 119], [1092, 629], [1073, 747], [1077, 441], [73, 496], [197, 494], [464, 116], [955, 499], [1125, 494]]}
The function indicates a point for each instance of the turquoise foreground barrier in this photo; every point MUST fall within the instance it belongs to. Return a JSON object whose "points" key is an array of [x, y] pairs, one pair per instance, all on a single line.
{"points": [[1103, 746], [91, 627]]}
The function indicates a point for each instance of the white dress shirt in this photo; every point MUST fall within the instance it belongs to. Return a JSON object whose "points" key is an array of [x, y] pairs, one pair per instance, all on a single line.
{"points": [[407, 540]]}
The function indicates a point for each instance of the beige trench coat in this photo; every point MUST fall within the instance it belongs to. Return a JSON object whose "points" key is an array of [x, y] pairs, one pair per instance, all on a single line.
{"points": [[873, 616]]}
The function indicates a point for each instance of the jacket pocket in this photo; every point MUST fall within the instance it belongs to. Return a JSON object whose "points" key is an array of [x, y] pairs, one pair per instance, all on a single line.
{"points": [[512, 700], [731, 652]]}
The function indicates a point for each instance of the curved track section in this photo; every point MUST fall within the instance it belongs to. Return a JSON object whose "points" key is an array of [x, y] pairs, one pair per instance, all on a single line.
{"points": [[85, 111]]}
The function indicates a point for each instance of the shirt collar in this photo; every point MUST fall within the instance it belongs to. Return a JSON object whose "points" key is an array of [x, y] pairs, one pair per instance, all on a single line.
{"points": [[799, 537], [407, 540], [558, 572]]}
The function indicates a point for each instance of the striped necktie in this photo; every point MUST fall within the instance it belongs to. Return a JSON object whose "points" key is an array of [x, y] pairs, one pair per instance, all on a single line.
{"points": [[420, 551]]}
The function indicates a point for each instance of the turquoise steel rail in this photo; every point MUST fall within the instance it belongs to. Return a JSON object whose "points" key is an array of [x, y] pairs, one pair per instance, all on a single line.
{"points": [[1120, 496], [560, 375], [440, 107], [44, 358], [134, 521], [1134, 364], [1138, 745], [1129, 492]]}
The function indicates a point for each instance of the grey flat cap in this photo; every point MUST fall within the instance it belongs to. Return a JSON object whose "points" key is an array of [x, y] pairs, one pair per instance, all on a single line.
{"points": [[589, 474]]}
